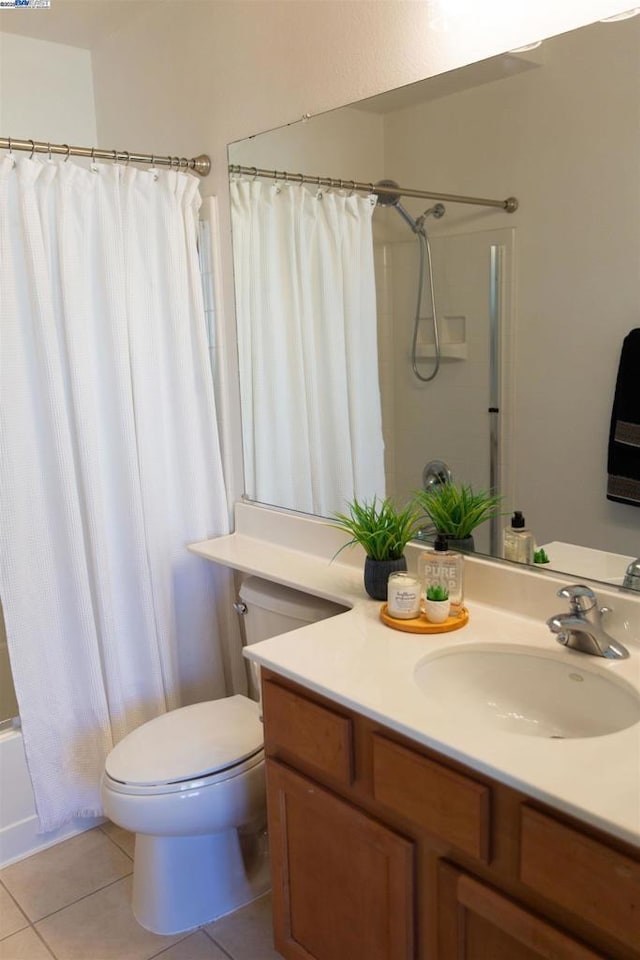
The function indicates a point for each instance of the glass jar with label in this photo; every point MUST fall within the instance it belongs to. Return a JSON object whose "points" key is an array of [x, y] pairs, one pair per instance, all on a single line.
{"points": [[403, 596], [442, 567]]}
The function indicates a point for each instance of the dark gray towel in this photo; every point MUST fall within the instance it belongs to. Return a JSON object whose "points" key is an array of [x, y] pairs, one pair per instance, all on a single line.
{"points": [[623, 463]]}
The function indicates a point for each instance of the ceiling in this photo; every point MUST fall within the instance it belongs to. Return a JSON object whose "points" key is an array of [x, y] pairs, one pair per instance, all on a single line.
{"points": [[79, 23]]}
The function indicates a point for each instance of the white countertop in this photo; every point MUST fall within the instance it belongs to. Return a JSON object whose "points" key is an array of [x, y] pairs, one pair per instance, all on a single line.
{"points": [[357, 661], [595, 564]]}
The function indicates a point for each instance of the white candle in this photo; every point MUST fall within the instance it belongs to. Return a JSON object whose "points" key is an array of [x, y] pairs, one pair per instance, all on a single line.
{"points": [[403, 596]]}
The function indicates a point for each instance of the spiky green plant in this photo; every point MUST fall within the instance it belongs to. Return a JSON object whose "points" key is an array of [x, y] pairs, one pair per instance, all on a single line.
{"points": [[457, 511], [379, 527], [541, 556], [437, 592]]}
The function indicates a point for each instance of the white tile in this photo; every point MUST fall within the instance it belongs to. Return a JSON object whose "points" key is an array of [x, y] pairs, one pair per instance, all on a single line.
{"points": [[12, 918], [54, 878], [25, 945], [246, 934], [102, 927], [125, 840], [197, 946]]}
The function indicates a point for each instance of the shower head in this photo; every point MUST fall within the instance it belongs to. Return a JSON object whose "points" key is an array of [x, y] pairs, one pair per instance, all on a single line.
{"points": [[385, 198], [438, 210], [388, 199]]}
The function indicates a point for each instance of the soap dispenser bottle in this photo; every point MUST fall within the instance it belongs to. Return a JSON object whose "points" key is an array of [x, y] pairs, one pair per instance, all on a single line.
{"points": [[518, 540], [442, 567]]}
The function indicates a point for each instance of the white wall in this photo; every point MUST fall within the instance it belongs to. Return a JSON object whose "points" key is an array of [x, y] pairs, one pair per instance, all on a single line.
{"points": [[194, 76], [46, 90], [326, 145]]}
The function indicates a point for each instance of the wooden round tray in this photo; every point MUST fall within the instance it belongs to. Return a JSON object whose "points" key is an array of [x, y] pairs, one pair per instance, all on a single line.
{"points": [[420, 625]]}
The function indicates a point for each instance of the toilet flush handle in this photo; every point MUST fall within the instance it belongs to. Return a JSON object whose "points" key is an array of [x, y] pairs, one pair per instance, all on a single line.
{"points": [[240, 607]]}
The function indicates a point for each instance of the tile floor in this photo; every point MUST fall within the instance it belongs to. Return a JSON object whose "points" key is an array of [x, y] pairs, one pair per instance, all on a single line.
{"points": [[72, 902]]}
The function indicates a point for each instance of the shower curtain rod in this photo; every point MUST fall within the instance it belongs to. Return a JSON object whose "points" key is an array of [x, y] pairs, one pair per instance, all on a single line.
{"points": [[510, 204], [200, 164]]}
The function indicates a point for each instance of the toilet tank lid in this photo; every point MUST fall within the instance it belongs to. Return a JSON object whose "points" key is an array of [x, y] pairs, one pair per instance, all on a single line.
{"points": [[188, 743], [284, 600]]}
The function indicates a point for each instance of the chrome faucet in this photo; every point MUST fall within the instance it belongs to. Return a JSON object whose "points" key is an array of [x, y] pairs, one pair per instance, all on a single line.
{"points": [[632, 576], [581, 627]]}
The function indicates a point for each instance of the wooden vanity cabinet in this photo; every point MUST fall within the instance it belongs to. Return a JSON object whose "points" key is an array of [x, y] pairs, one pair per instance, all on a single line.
{"points": [[382, 849]]}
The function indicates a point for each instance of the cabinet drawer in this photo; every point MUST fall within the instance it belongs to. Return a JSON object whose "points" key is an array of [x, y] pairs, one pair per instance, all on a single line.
{"points": [[585, 876], [448, 805], [320, 737]]}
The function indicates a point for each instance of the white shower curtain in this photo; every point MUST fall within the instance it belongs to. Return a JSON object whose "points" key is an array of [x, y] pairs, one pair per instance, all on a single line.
{"points": [[307, 338], [110, 465]]}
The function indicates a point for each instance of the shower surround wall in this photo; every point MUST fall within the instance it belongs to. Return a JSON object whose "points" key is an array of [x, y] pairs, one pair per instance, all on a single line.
{"points": [[8, 702]]}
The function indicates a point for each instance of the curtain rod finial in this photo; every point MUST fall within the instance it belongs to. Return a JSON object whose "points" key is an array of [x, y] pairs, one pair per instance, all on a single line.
{"points": [[202, 164]]}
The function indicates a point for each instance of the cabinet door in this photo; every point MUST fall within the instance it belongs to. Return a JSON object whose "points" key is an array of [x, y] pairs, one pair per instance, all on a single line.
{"points": [[478, 923], [588, 878], [343, 884]]}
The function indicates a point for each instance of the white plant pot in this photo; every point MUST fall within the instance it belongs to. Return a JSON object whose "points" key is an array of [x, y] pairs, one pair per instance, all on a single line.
{"points": [[437, 611]]}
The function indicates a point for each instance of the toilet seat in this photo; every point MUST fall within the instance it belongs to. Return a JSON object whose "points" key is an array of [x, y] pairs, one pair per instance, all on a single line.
{"points": [[194, 784], [201, 744]]}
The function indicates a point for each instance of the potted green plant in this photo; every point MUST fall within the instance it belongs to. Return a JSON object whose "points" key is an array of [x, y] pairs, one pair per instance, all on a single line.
{"points": [[457, 510], [437, 604], [383, 531]]}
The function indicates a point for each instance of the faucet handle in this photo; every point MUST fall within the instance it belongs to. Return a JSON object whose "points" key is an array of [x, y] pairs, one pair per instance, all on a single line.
{"points": [[632, 576], [580, 597]]}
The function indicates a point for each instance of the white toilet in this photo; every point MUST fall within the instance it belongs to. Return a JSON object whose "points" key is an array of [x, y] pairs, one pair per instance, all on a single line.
{"points": [[190, 785]]}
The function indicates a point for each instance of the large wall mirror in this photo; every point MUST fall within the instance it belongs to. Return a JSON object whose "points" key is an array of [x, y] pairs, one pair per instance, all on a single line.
{"points": [[532, 306]]}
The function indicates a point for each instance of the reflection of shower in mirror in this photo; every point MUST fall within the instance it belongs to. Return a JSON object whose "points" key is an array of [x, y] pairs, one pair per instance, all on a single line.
{"points": [[435, 474], [390, 198], [514, 292]]}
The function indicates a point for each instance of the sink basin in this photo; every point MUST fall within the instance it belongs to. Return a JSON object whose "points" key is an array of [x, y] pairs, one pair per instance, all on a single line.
{"points": [[527, 691]]}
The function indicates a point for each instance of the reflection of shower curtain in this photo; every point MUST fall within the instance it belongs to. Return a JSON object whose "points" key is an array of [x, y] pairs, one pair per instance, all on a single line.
{"points": [[307, 336], [110, 464]]}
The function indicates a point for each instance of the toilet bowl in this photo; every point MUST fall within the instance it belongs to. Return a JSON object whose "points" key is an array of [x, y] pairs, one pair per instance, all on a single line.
{"points": [[190, 784], [185, 784]]}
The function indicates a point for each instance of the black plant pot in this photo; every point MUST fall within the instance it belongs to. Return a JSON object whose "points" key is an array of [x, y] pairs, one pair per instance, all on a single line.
{"points": [[465, 544], [376, 574]]}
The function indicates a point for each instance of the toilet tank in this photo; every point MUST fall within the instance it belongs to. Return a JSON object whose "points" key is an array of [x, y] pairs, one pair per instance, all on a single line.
{"points": [[272, 608]]}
